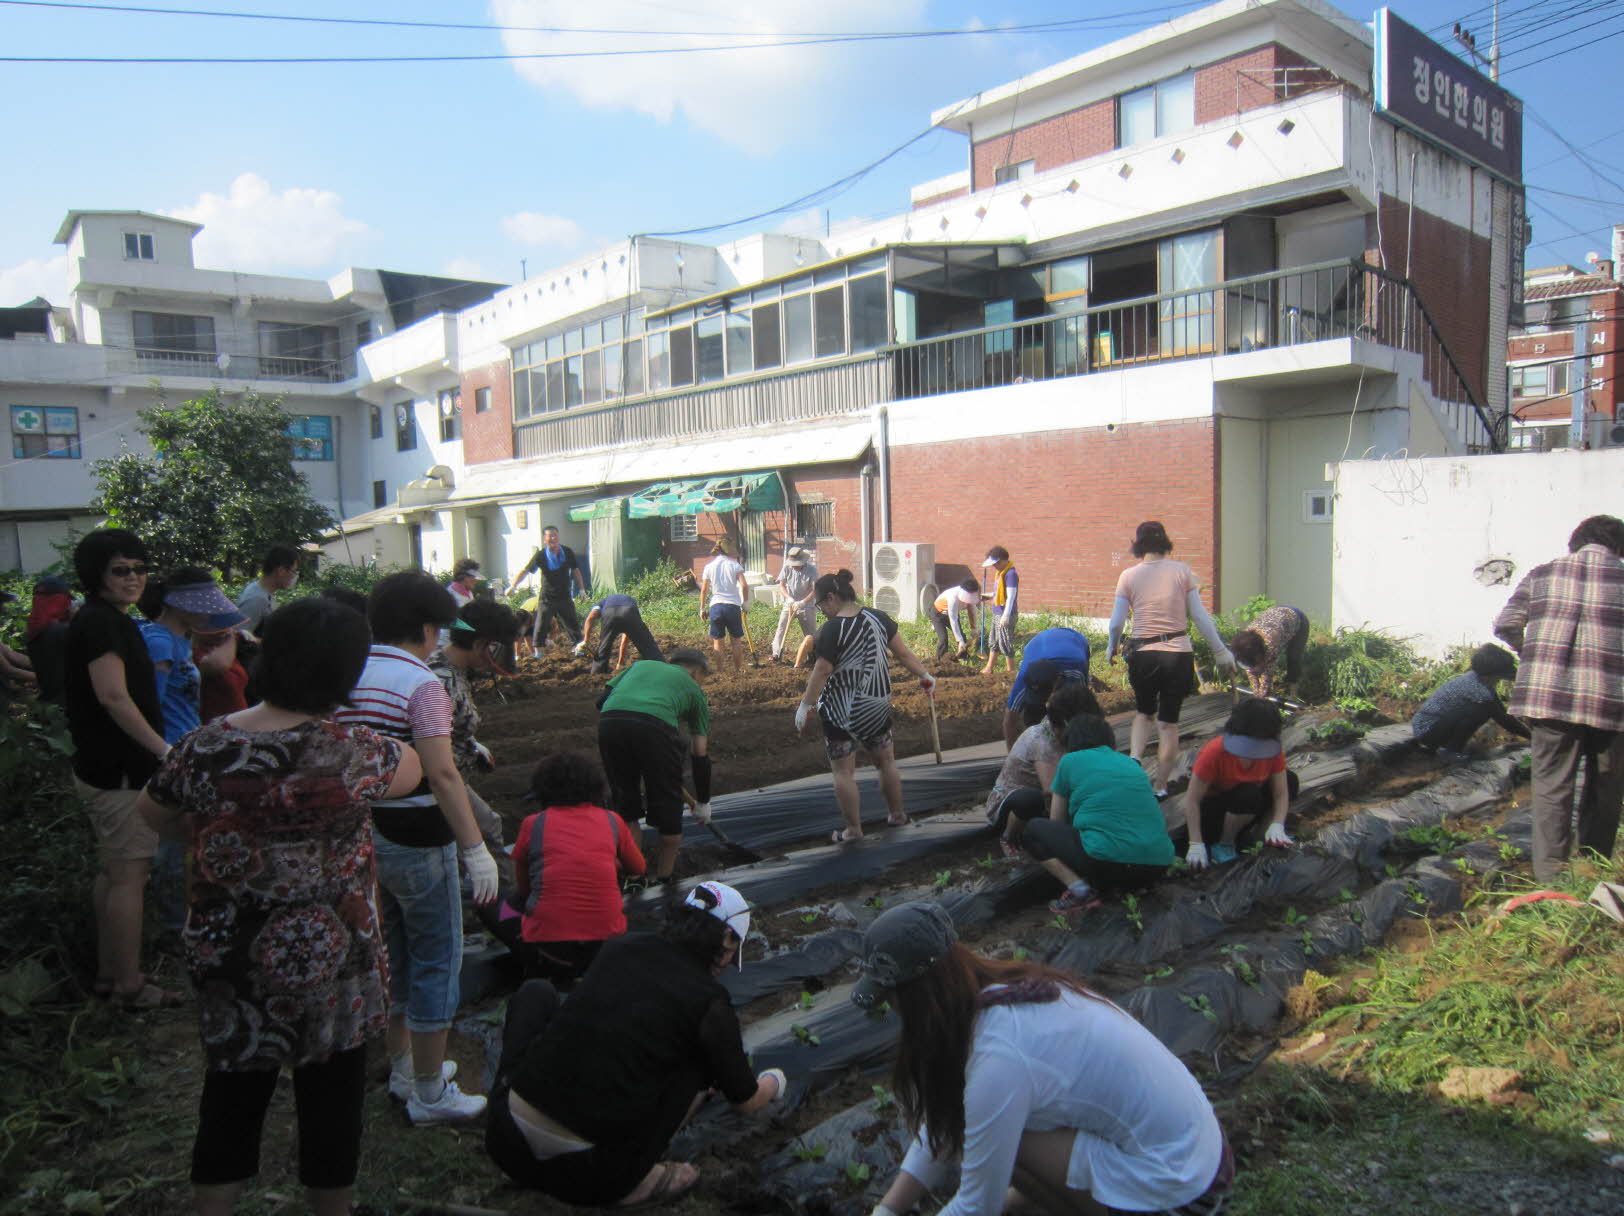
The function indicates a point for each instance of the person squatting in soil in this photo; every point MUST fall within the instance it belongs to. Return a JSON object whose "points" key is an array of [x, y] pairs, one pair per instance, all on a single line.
{"points": [[850, 688], [417, 841], [947, 614], [1052, 655], [1238, 779], [569, 860], [1021, 1076], [1021, 791], [1449, 718], [795, 581], [622, 623], [1003, 609], [277, 802], [561, 576], [1163, 597], [590, 1092], [722, 583], [645, 713]]}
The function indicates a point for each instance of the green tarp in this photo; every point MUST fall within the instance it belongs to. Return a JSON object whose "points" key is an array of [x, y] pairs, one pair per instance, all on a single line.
{"points": [[752, 491], [603, 508]]}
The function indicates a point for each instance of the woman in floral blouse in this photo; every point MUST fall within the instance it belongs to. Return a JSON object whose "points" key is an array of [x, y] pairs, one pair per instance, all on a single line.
{"points": [[282, 934]]}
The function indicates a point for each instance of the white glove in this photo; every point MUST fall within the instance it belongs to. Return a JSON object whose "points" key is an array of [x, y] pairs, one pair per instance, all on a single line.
{"points": [[481, 867], [777, 1074], [1196, 856], [881, 1210], [702, 812], [1277, 835], [580, 649], [928, 683], [803, 711], [1225, 660], [485, 757]]}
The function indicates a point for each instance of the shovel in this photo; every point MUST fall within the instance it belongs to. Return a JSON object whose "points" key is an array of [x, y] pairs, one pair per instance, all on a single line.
{"points": [[935, 729], [730, 847], [749, 642]]}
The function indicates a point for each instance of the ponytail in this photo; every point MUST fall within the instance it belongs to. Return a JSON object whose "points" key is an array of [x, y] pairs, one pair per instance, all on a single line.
{"points": [[837, 584]]}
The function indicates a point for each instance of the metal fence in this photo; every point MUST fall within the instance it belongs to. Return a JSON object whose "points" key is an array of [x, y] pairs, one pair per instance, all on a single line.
{"points": [[229, 365]]}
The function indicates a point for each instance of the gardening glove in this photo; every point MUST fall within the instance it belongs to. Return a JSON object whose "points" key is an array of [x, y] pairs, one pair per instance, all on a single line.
{"points": [[803, 711], [881, 1210], [481, 867], [580, 649], [928, 683], [1196, 856], [702, 812], [1276, 835], [1225, 660], [777, 1074], [486, 760]]}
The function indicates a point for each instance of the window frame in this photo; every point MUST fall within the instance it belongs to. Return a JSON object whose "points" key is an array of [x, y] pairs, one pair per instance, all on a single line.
{"points": [[482, 400], [406, 426], [448, 408], [69, 445], [308, 446], [146, 247], [1154, 92], [1015, 171], [683, 528], [814, 521]]}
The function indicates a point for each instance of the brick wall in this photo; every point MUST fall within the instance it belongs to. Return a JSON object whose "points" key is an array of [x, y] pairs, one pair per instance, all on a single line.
{"points": [[1065, 505], [488, 436], [1450, 268], [1601, 361], [1252, 80], [1062, 140]]}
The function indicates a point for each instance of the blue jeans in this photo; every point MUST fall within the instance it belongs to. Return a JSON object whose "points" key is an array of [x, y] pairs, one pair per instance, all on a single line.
{"points": [[420, 898]]}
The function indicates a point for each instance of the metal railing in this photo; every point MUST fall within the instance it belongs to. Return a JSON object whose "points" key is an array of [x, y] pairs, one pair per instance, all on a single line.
{"points": [[230, 365]]}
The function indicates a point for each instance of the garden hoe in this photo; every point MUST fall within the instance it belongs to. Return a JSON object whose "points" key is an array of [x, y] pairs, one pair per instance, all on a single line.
{"points": [[732, 849]]}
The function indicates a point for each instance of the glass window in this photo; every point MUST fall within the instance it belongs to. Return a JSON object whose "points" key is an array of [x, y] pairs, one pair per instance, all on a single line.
{"points": [[591, 377], [739, 359], [1069, 277], [556, 395], [865, 265], [611, 372], [1136, 117], [482, 401], [764, 293], [682, 356], [572, 382], [405, 427], [1175, 104], [611, 328], [768, 350], [572, 341], [138, 246], [867, 299], [905, 307], [1024, 170], [828, 274], [797, 329], [634, 368], [552, 346], [538, 390], [634, 322], [659, 362], [53, 432], [708, 349], [450, 403], [521, 393], [380, 494], [800, 284], [170, 332], [829, 309], [592, 334], [375, 421]]}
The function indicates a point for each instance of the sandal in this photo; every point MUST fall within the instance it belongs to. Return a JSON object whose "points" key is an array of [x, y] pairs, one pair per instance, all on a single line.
{"points": [[1011, 852], [664, 1190], [897, 823], [147, 997], [838, 836]]}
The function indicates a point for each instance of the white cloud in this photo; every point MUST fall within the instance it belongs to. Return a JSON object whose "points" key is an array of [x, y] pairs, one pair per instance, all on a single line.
{"points": [[256, 227], [466, 268], [46, 277], [538, 228], [750, 97]]}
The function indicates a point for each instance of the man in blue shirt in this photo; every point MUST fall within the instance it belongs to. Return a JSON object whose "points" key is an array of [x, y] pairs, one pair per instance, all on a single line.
{"points": [[558, 569]]}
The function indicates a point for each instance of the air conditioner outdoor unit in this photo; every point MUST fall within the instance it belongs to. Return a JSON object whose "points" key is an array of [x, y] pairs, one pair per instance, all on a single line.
{"points": [[904, 578]]}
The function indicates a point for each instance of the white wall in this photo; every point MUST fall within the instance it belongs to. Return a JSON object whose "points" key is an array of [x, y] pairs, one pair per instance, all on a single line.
{"points": [[1411, 535]]}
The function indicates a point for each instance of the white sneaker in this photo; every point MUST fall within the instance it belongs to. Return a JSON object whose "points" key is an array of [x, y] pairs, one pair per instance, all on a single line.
{"points": [[400, 1083], [453, 1106]]}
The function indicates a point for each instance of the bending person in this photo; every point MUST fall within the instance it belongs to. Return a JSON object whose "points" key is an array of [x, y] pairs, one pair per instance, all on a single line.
{"points": [[1105, 831], [1163, 597], [947, 615], [1021, 1075], [650, 712], [850, 686], [589, 1094], [1449, 718], [1052, 656], [1021, 791], [1275, 631], [623, 623], [1239, 778]]}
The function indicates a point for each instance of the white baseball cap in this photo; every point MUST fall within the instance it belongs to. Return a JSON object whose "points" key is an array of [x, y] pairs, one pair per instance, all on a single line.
{"points": [[726, 905]]}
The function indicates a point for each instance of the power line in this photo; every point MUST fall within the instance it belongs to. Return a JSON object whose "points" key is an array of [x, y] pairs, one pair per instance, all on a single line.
{"points": [[1554, 54]]}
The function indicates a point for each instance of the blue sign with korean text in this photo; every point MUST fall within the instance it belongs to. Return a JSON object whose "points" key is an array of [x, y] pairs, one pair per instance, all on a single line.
{"points": [[1422, 86]]}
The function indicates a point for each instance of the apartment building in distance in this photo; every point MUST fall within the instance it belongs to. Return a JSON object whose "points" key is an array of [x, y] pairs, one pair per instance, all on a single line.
{"points": [[1179, 278]]}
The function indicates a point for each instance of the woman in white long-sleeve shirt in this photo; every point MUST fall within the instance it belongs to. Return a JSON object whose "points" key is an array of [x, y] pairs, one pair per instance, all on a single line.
{"points": [[1024, 1077], [1163, 597]]}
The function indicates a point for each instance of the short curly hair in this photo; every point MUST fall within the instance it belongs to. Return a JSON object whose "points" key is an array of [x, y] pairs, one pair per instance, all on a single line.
{"points": [[569, 778], [96, 549]]}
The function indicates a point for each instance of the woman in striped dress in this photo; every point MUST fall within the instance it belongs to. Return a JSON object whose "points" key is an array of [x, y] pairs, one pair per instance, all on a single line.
{"points": [[851, 688]]}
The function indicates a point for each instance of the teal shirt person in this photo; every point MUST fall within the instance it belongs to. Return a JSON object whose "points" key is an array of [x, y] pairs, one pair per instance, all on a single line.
{"points": [[1113, 808], [661, 690]]}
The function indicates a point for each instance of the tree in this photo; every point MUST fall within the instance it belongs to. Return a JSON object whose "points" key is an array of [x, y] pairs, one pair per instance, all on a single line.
{"points": [[219, 489]]}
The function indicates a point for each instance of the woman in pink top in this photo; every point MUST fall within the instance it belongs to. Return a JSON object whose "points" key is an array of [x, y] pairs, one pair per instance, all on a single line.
{"points": [[1163, 597]]}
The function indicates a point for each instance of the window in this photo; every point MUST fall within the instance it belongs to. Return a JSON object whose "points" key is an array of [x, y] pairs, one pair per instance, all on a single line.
{"points": [[866, 302], [138, 246], [173, 338], [709, 343], [1545, 438], [1540, 380], [814, 519], [1020, 172], [380, 494], [48, 431], [363, 333], [375, 421], [1163, 108], [1318, 506], [739, 357], [482, 401], [405, 427], [684, 527], [291, 351], [797, 329], [768, 350], [312, 436], [829, 321], [450, 415]]}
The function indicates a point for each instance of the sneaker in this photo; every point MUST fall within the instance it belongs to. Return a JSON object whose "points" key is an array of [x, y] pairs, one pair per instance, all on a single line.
{"points": [[400, 1083], [453, 1106], [1222, 854], [1446, 756], [1011, 852], [1070, 901]]}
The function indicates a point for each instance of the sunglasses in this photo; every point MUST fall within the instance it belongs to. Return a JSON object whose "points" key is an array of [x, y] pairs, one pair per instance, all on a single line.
{"points": [[126, 571]]}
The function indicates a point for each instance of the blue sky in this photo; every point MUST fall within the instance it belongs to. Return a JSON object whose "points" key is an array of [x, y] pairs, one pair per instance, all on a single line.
{"points": [[466, 168]]}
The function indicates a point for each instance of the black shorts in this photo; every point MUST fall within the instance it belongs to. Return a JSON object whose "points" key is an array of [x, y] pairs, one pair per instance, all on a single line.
{"points": [[644, 759], [1161, 679]]}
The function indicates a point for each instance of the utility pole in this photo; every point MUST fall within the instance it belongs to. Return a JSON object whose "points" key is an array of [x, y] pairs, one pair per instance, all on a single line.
{"points": [[1581, 387], [1468, 40]]}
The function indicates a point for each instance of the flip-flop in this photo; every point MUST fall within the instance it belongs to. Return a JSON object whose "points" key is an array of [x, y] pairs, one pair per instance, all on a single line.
{"points": [[897, 823], [147, 997], [665, 1191], [838, 836]]}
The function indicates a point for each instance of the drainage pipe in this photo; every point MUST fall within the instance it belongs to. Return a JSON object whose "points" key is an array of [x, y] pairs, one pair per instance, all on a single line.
{"points": [[865, 483], [884, 416]]}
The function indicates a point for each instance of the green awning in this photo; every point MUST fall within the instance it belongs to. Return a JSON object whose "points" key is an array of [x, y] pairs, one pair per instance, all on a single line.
{"points": [[603, 508], [752, 491]]}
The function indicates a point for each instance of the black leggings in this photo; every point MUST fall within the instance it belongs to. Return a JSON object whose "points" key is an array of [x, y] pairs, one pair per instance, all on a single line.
{"points": [[610, 1169], [327, 1097], [644, 759], [1160, 680], [627, 622], [1047, 839], [1251, 798]]}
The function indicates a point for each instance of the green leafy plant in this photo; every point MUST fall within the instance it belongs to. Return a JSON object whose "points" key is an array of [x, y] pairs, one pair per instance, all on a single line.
{"points": [[884, 1099], [1020, 954], [1509, 852], [1201, 1004], [1161, 973], [1435, 837], [883, 1009], [808, 1001], [803, 1036], [987, 862], [1294, 917], [1465, 866], [1060, 922], [858, 1172], [875, 901], [1136, 914], [809, 918], [1337, 730], [1308, 944], [943, 877], [1243, 969], [1345, 896], [810, 1152]]}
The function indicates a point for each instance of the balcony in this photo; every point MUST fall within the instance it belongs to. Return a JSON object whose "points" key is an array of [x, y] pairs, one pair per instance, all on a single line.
{"points": [[216, 365]]}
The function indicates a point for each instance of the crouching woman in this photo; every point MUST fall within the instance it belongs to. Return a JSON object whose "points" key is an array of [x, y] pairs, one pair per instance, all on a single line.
{"points": [[1022, 1076]]}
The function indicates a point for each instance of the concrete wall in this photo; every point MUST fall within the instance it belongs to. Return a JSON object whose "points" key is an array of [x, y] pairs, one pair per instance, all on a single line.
{"points": [[1414, 538]]}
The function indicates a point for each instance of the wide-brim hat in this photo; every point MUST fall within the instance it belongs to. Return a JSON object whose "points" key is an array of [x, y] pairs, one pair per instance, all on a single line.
{"points": [[795, 556], [902, 944], [1247, 747], [205, 599]]}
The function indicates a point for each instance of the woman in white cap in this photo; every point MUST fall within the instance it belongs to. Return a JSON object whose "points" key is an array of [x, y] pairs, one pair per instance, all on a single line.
{"points": [[1022, 1076], [588, 1094], [1237, 779]]}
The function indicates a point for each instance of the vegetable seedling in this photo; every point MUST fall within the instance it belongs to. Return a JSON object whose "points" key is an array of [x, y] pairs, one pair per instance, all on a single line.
{"points": [[804, 1036], [1202, 1005], [884, 1099], [858, 1172], [808, 1000], [810, 1152]]}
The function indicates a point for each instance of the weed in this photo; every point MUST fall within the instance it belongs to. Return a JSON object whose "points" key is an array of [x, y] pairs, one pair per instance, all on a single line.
{"points": [[1294, 917], [1337, 730], [884, 1099], [858, 1172], [1345, 896], [1435, 837], [809, 918], [1243, 970], [1465, 866], [1161, 973], [943, 877], [883, 1009], [875, 901], [1201, 1004], [1390, 870], [987, 862], [1510, 852], [1308, 944], [1359, 709], [1136, 914], [803, 1036]]}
